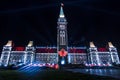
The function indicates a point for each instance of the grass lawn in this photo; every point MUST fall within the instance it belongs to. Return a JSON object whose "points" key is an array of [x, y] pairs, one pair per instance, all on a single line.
{"points": [[48, 74]]}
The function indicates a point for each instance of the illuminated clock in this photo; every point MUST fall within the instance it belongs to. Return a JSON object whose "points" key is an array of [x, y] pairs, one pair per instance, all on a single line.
{"points": [[62, 26]]}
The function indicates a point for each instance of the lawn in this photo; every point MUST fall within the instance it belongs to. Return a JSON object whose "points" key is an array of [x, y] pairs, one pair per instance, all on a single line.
{"points": [[48, 74]]}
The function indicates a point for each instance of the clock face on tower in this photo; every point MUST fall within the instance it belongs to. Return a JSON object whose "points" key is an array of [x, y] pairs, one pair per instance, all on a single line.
{"points": [[62, 27]]}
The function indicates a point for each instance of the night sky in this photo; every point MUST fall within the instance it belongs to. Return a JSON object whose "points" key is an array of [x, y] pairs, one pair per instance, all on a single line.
{"points": [[88, 20]]}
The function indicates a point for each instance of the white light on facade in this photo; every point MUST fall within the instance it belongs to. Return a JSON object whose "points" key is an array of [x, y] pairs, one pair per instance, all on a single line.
{"points": [[63, 62]]}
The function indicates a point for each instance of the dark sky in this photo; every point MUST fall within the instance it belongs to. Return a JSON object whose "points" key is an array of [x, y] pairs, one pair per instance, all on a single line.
{"points": [[88, 20]]}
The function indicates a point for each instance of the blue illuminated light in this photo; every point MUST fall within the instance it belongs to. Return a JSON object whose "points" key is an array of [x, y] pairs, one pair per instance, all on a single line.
{"points": [[63, 62], [5, 65]]}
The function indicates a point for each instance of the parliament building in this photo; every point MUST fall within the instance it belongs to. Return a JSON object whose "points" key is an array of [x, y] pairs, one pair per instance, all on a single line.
{"points": [[61, 54]]}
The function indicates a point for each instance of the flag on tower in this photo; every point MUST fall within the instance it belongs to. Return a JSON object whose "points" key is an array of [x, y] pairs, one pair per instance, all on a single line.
{"points": [[62, 4]]}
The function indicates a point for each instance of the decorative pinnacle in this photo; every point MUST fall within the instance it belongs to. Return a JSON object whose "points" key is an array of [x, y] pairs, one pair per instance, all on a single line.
{"points": [[30, 43], [61, 11], [9, 43], [110, 44], [92, 44]]}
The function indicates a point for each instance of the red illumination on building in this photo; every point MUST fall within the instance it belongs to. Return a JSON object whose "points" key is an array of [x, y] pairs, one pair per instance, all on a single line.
{"points": [[56, 66], [102, 49], [19, 48], [46, 50], [73, 50], [62, 53]]}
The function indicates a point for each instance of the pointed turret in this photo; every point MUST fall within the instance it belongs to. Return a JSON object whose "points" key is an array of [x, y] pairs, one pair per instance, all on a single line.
{"points": [[92, 44], [61, 11], [30, 43], [9, 43], [110, 44]]}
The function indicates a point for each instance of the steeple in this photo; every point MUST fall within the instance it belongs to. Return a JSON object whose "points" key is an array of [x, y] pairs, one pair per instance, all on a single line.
{"points": [[61, 11]]}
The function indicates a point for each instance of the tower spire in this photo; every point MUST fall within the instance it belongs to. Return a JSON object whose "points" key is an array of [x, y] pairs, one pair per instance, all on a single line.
{"points": [[62, 38], [61, 11]]}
